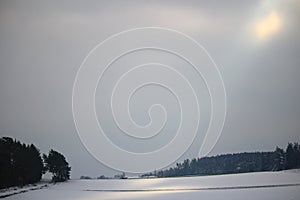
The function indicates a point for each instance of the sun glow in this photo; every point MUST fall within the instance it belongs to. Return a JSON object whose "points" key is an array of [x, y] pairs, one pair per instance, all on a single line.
{"points": [[268, 25]]}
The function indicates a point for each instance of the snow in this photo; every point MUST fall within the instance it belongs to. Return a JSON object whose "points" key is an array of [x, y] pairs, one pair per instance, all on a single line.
{"points": [[261, 185], [17, 190]]}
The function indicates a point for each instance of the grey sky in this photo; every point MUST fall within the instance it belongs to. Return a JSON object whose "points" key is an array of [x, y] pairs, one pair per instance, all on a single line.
{"points": [[255, 44]]}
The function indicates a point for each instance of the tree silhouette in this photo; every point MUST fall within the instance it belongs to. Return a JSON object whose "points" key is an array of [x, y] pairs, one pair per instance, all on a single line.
{"points": [[280, 160], [20, 164], [237, 163], [293, 156], [56, 164]]}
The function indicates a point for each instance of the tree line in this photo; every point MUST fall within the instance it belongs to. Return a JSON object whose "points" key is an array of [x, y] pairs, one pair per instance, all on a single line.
{"points": [[236, 163], [22, 164]]}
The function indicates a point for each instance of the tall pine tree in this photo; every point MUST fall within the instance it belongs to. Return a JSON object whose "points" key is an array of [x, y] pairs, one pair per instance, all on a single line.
{"points": [[56, 164]]}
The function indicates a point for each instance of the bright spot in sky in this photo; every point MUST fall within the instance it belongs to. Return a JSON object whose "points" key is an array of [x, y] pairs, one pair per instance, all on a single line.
{"points": [[268, 25]]}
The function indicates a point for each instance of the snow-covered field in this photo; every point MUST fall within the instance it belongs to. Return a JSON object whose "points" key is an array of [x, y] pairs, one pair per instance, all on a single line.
{"points": [[283, 185]]}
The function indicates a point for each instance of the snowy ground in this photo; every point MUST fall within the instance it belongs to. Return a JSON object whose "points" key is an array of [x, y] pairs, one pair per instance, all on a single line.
{"points": [[18, 190], [263, 185]]}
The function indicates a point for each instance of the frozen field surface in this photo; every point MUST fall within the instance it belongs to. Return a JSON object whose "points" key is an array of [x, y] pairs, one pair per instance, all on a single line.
{"points": [[283, 185]]}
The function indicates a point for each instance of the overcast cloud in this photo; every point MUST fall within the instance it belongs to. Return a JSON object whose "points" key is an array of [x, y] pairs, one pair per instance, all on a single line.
{"points": [[255, 44]]}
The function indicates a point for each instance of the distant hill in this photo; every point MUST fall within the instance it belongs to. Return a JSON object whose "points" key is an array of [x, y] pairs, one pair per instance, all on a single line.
{"points": [[236, 163]]}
